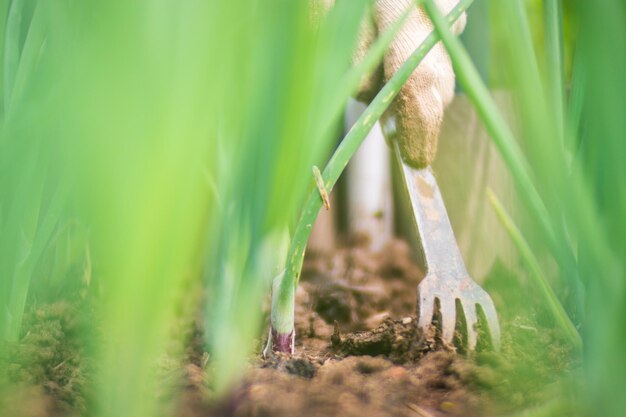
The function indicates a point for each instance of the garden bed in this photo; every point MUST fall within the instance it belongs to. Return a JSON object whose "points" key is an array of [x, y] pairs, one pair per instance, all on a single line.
{"points": [[359, 353]]}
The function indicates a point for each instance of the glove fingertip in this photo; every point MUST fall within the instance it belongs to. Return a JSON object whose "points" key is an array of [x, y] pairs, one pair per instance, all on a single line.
{"points": [[418, 154], [417, 129]]}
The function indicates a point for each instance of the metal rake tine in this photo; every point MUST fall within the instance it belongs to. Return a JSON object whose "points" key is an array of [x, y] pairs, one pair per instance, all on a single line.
{"points": [[425, 310], [448, 318], [447, 277], [471, 319], [489, 309]]}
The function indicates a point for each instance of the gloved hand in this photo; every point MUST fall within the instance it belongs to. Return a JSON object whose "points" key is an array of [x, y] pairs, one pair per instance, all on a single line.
{"points": [[418, 108]]}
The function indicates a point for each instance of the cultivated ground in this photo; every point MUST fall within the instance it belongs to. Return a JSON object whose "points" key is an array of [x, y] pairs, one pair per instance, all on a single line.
{"points": [[359, 354]]}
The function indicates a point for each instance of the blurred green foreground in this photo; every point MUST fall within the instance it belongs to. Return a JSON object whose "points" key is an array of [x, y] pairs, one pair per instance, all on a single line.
{"points": [[154, 155]]}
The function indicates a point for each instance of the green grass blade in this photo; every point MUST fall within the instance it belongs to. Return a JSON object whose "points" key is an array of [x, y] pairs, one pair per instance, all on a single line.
{"points": [[601, 228], [29, 57], [536, 274], [4, 14], [23, 274], [574, 113], [12, 48], [555, 63]]}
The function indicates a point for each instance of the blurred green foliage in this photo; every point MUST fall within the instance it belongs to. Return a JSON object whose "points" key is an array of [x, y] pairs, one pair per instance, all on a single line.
{"points": [[31, 193], [568, 165], [151, 146]]}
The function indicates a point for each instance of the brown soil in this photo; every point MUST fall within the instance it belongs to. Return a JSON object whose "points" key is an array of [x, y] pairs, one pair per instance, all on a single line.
{"points": [[359, 353], [46, 374]]}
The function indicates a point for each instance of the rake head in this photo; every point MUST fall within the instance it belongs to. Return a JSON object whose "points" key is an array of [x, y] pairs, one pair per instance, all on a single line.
{"points": [[447, 282], [449, 293]]}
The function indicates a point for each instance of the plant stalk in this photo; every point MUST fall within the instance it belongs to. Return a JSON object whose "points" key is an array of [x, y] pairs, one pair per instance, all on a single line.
{"points": [[535, 273], [283, 296], [553, 22]]}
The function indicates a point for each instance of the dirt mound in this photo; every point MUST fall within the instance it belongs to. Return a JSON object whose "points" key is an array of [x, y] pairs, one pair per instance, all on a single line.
{"points": [[358, 386]]}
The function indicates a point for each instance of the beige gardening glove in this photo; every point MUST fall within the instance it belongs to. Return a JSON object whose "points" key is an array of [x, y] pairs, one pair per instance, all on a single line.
{"points": [[419, 107]]}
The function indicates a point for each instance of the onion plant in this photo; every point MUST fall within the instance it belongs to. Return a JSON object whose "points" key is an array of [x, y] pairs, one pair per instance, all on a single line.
{"points": [[282, 333], [192, 164], [183, 135], [31, 195], [272, 131], [573, 193], [186, 157]]}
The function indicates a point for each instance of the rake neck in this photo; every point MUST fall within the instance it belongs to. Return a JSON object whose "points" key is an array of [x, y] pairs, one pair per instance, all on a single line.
{"points": [[434, 231]]}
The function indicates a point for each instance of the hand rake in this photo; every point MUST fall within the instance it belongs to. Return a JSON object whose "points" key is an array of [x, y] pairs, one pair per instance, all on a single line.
{"points": [[447, 279]]}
